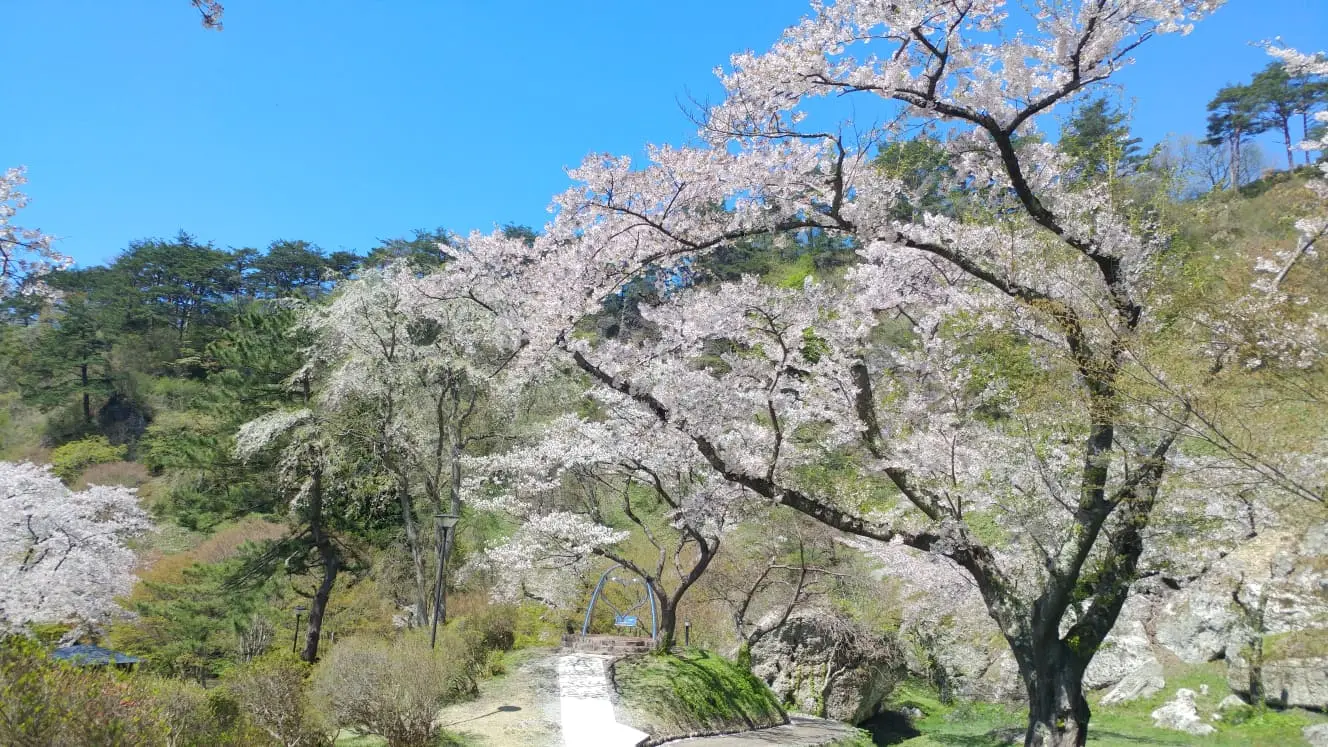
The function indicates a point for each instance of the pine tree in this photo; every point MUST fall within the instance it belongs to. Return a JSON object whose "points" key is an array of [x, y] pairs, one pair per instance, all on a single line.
{"points": [[1233, 119], [1098, 138]]}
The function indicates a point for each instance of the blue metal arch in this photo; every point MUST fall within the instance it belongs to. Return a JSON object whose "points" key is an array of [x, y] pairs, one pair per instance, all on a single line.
{"points": [[599, 588]]}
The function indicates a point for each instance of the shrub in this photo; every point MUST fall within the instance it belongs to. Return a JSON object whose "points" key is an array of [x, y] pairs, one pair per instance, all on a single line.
{"points": [[70, 459], [188, 715], [55, 704], [269, 691], [495, 624], [394, 688]]}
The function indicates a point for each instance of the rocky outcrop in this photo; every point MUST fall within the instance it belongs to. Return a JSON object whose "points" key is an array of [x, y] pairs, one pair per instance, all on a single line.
{"points": [[1316, 735], [1183, 608], [821, 663], [1126, 650], [1296, 683], [1180, 714], [1144, 682]]}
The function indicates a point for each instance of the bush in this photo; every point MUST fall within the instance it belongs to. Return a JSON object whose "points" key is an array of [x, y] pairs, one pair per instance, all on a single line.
{"points": [[70, 459], [394, 688], [54, 704], [495, 624], [187, 715], [269, 692]]}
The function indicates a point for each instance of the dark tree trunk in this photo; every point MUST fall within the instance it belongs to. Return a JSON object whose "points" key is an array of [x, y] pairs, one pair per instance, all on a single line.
{"points": [[416, 555], [1305, 129], [1057, 711], [668, 625], [318, 607], [1235, 160], [1286, 138], [87, 398], [1257, 696]]}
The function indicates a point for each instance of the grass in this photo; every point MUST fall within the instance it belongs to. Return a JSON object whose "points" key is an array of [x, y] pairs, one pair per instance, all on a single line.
{"points": [[1125, 725], [692, 692]]}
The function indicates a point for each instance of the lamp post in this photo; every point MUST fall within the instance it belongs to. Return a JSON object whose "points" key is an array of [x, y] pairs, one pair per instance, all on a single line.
{"points": [[443, 523], [295, 641]]}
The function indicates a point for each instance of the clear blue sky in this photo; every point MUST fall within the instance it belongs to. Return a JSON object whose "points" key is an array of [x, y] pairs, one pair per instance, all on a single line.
{"points": [[343, 122]]}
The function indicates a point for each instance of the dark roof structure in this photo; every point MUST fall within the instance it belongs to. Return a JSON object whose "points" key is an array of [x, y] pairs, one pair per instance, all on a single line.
{"points": [[88, 655]]}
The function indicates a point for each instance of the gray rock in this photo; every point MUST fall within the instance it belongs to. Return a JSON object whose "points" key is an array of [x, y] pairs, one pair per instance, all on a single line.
{"points": [[1143, 682], [1316, 735], [1231, 701], [1298, 683], [1125, 651], [796, 658], [1180, 714], [1197, 622]]}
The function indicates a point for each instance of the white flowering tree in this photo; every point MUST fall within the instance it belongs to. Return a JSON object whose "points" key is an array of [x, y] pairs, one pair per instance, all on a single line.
{"points": [[407, 373], [63, 553], [312, 471], [26, 254], [996, 370], [615, 487]]}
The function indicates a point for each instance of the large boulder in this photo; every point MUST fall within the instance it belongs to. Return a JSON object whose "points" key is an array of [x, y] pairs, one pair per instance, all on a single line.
{"points": [[1125, 651], [819, 662], [1197, 622], [1180, 714], [1316, 735], [1294, 682], [1144, 682]]}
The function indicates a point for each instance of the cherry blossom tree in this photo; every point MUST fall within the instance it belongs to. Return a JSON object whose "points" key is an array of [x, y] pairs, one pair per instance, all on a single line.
{"points": [[211, 12], [25, 253], [407, 375], [65, 557], [312, 469], [616, 488], [997, 366]]}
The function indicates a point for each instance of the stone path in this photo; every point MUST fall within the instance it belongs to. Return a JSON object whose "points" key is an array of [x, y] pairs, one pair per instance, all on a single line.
{"points": [[587, 712], [801, 731]]}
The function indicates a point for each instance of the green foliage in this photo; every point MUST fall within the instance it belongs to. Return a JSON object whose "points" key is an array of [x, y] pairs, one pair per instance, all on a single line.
{"points": [[1097, 139], [48, 703], [694, 691], [196, 626], [71, 459], [270, 693]]}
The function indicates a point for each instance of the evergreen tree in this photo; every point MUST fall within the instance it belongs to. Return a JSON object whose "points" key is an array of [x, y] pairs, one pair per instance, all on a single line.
{"points": [[1234, 119], [1097, 138]]}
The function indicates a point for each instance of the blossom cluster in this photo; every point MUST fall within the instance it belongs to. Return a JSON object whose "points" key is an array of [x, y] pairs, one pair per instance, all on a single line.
{"points": [[63, 553]]}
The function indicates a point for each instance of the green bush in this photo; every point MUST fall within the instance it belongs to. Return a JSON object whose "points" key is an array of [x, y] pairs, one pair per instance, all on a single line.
{"points": [[55, 704], [393, 689], [71, 459], [269, 693]]}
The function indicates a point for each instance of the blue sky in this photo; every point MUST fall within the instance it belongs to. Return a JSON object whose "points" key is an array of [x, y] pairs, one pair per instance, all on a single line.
{"points": [[343, 122]]}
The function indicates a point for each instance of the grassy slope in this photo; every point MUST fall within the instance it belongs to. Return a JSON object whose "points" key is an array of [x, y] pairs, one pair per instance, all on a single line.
{"points": [[692, 692], [981, 724]]}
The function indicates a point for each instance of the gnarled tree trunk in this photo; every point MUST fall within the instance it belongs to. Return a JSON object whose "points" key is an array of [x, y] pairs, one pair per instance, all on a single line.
{"points": [[1057, 711]]}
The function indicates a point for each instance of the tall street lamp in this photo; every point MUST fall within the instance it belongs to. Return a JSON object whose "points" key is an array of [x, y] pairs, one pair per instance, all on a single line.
{"points": [[443, 523], [295, 641]]}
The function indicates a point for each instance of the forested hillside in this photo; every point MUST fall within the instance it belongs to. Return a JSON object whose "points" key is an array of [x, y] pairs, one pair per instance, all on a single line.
{"points": [[964, 420]]}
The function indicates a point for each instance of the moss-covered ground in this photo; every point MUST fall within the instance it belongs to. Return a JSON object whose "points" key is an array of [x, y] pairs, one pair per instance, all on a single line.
{"points": [[692, 692]]}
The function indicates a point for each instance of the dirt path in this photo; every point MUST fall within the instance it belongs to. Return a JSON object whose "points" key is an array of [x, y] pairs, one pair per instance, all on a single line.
{"points": [[517, 708]]}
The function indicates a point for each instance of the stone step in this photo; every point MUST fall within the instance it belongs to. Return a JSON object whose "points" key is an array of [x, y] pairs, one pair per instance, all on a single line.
{"points": [[607, 644]]}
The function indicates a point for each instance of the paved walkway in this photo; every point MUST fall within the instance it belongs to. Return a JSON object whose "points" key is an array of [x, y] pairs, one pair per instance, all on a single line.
{"points": [[801, 731], [587, 712]]}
